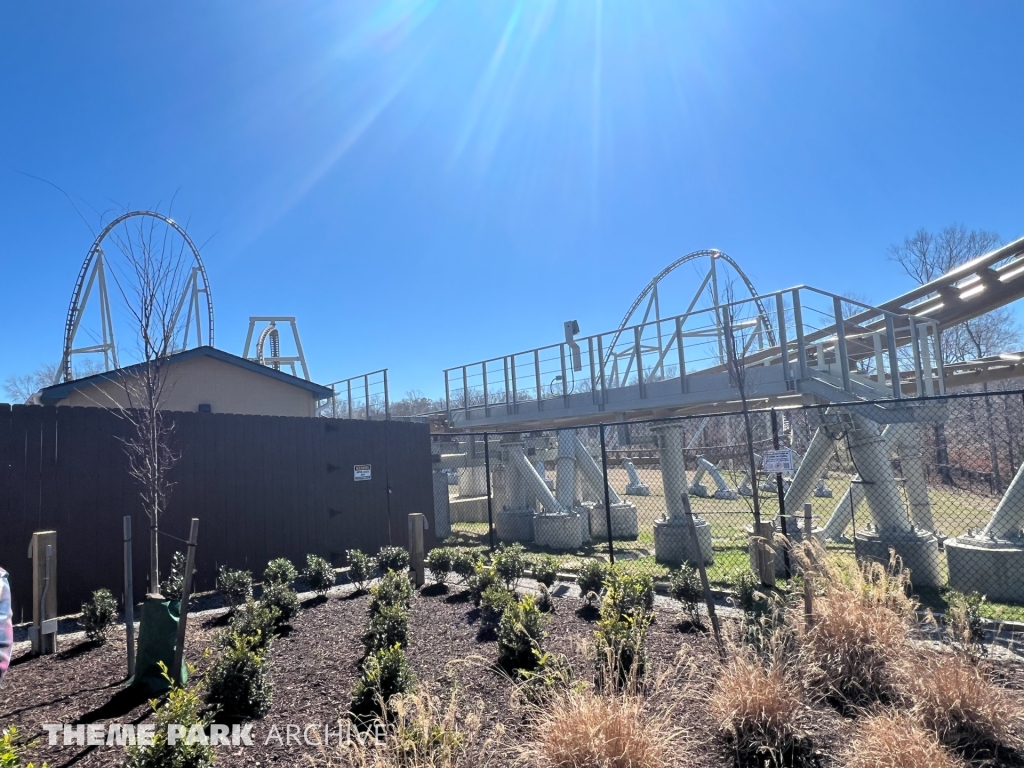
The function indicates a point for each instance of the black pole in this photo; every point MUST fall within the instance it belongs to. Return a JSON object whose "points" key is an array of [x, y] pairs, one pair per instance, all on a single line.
{"points": [[487, 471], [607, 501], [780, 488]]}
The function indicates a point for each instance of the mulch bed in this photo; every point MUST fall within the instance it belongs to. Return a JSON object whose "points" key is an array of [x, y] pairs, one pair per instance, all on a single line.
{"points": [[315, 665]]}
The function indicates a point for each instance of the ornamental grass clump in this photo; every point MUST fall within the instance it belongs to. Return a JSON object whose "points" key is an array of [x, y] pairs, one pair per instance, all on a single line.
{"points": [[955, 699], [98, 615], [896, 740], [862, 626], [757, 705]]}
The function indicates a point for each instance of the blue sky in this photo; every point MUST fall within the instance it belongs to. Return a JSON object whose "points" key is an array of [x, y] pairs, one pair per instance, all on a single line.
{"points": [[425, 184]]}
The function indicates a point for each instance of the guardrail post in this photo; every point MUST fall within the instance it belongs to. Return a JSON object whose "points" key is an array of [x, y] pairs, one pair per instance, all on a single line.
{"points": [[604, 391], [515, 387], [681, 354], [593, 375], [639, 357], [536, 374], [844, 361], [366, 395], [915, 346], [798, 321], [387, 402], [447, 397], [565, 381], [780, 313], [490, 494], [487, 397], [894, 363], [508, 407]]}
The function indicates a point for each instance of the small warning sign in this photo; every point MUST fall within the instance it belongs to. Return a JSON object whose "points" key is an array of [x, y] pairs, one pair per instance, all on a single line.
{"points": [[777, 461], [362, 472]]}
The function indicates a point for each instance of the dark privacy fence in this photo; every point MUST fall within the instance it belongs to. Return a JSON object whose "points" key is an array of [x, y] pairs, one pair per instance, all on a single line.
{"points": [[261, 486], [932, 479]]}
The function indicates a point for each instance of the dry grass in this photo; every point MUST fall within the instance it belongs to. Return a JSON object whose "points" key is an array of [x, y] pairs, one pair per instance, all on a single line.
{"points": [[955, 699], [758, 704], [862, 624], [896, 740], [593, 730], [424, 732]]}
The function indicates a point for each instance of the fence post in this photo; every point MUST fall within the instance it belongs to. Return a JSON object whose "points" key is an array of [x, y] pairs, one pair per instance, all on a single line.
{"points": [[808, 587], [607, 501], [487, 471], [780, 489], [190, 565], [417, 522], [129, 598]]}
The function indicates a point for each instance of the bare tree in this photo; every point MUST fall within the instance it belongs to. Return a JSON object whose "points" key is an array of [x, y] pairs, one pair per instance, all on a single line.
{"points": [[20, 389], [926, 256]]}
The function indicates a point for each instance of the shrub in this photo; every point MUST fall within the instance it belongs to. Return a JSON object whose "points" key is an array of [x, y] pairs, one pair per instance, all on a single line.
{"points": [[464, 564], [384, 674], [484, 577], [394, 589], [620, 660], [280, 571], [388, 627], [494, 603], [237, 682], [174, 584], [757, 704], [586, 728], [591, 579], [319, 574], [955, 700], [257, 621], [98, 615], [439, 561], [183, 707], [236, 586], [361, 568], [685, 586], [520, 635], [896, 740], [510, 563], [545, 569], [283, 599], [544, 601], [627, 594], [965, 624], [861, 626], [9, 751], [393, 559]]}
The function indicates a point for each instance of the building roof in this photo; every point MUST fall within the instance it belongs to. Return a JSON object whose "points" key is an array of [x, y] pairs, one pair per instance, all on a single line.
{"points": [[54, 394]]}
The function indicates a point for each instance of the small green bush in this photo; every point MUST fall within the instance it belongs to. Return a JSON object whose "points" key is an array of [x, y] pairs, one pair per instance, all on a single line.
{"points": [[319, 574], [174, 584], [388, 627], [685, 586], [361, 568], [280, 571], [237, 682], [182, 707], [284, 599], [544, 600], [627, 594], [255, 620], [494, 602], [384, 674], [619, 650], [9, 750], [545, 569], [521, 635], [964, 622], [236, 586], [393, 559], [510, 563], [464, 564], [394, 589], [590, 579], [98, 615], [439, 561], [484, 577]]}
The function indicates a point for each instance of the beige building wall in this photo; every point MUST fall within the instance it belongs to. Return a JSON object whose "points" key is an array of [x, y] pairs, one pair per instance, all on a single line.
{"points": [[225, 387]]}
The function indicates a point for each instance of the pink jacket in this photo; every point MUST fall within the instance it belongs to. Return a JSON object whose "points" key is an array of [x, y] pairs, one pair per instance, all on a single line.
{"points": [[6, 624]]}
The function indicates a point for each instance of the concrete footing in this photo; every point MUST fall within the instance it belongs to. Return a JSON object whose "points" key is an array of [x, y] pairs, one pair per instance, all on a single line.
{"points": [[699, 490], [638, 489], [919, 551], [560, 532], [514, 524], [992, 567], [625, 523], [672, 541]]}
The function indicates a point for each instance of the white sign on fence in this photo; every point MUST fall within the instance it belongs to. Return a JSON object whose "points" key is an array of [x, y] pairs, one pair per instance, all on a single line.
{"points": [[362, 472], [778, 461]]}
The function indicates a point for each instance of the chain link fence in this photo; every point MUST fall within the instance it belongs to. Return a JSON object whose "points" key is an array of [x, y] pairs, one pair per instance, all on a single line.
{"points": [[938, 481]]}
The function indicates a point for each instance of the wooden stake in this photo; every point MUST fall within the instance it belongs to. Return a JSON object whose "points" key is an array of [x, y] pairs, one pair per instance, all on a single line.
{"points": [[699, 558], [417, 522], [129, 596], [190, 563], [808, 589]]}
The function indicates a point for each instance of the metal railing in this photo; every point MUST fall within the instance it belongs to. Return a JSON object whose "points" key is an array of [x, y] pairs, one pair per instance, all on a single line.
{"points": [[358, 397]]}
